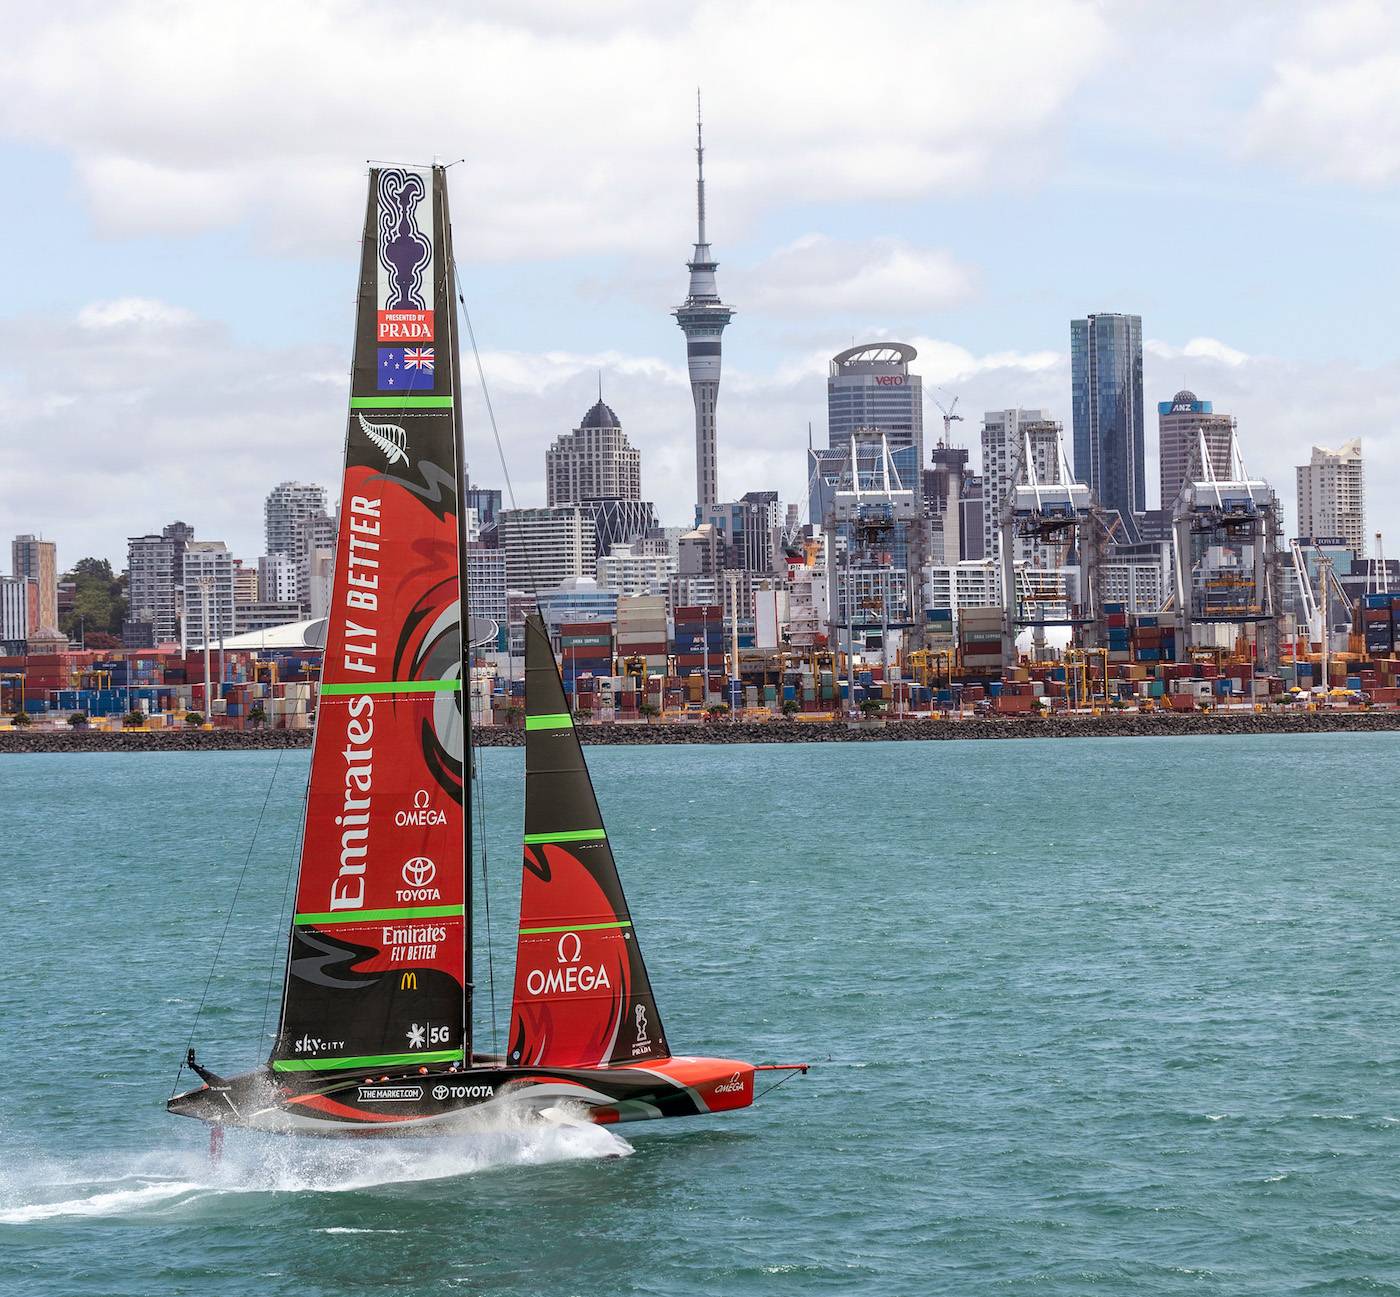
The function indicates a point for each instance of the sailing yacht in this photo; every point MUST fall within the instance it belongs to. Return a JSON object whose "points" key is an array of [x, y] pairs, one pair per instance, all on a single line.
{"points": [[375, 1033]]}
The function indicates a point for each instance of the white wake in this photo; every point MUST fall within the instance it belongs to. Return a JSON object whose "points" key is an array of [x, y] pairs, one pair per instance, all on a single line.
{"points": [[35, 1191]]}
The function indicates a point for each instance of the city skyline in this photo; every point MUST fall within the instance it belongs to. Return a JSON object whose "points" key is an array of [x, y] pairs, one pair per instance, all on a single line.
{"points": [[161, 270]]}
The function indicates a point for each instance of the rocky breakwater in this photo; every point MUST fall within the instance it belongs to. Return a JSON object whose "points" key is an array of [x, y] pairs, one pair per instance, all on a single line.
{"points": [[1107, 725]]}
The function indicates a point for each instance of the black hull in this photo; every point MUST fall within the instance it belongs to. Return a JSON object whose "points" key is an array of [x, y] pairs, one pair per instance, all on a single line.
{"points": [[415, 1103]]}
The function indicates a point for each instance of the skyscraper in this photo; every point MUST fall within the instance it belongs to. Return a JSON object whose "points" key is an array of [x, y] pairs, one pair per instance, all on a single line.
{"points": [[287, 504], [593, 462], [1106, 383], [1005, 434], [870, 386], [1331, 498], [1181, 422], [702, 318]]}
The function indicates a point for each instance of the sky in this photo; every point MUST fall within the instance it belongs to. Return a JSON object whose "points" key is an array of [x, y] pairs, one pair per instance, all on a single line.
{"points": [[186, 188]]}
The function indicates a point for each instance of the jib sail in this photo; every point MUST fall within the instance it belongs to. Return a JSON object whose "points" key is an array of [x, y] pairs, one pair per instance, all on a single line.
{"points": [[380, 942], [582, 997]]}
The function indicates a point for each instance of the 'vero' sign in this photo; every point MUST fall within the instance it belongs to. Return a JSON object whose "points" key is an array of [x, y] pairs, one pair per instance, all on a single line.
{"points": [[889, 380]]}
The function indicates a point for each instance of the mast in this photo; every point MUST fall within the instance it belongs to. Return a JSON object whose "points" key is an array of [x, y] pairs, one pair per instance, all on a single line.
{"points": [[464, 616]]}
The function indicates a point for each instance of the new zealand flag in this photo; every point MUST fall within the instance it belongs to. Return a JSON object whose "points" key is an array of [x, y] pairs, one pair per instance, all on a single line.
{"points": [[405, 369]]}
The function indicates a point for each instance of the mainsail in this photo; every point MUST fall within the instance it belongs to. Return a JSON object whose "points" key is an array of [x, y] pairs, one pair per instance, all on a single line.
{"points": [[582, 996], [378, 962]]}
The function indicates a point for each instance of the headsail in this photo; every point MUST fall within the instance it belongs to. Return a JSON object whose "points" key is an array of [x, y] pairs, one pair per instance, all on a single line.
{"points": [[380, 946], [582, 996]]}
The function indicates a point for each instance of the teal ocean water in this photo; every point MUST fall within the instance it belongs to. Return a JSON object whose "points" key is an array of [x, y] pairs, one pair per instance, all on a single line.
{"points": [[1087, 1017]]}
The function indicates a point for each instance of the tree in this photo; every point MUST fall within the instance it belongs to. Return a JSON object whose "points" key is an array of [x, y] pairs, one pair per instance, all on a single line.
{"points": [[78, 720], [649, 710], [872, 707], [134, 720], [194, 719], [99, 601], [717, 711], [257, 716], [21, 719], [790, 707]]}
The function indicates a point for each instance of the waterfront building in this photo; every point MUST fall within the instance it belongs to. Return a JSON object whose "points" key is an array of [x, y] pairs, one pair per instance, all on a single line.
{"points": [[277, 580], [1181, 422], [287, 504], [579, 599], [1138, 576], [593, 462], [545, 547], [1106, 385], [972, 515], [628, 573], [871, 386], [208, 589], [1331, 495], [702, 317], [260, 616], [37, 560], [749, 530], [14, 613], [486, 582], [155, 574]]}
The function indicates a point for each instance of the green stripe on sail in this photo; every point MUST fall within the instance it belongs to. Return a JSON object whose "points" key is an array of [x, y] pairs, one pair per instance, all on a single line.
{"points": [[400, 402], [374, 916], [394, 687], [571, 835], [577, 927], [365, 1060], [552, 721]]}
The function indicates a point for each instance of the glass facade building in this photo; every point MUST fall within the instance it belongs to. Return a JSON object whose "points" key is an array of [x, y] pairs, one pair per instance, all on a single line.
{"points": [[1106, 387]]}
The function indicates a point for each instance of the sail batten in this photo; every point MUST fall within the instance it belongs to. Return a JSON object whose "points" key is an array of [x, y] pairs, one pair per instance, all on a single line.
{"points": [[582, 994], [380, 934]]}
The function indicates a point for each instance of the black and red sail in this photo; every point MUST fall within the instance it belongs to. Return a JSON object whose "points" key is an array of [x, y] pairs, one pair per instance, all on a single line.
{"points": [[582, 996], [380, 937]]}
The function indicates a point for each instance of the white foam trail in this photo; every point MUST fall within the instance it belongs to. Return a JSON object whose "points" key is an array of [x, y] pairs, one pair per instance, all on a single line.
{"points": [[281, 1164], [110, 1203]]}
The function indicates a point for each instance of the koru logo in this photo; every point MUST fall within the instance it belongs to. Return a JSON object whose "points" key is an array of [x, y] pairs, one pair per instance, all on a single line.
{"points": [[564, 957], [419, 872]]}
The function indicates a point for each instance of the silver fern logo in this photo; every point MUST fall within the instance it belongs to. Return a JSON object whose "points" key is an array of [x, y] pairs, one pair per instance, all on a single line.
{"points": [[389, 437]]}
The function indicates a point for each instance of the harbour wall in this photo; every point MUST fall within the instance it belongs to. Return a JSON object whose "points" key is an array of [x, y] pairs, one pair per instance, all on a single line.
{"points": [[1130, 725]]}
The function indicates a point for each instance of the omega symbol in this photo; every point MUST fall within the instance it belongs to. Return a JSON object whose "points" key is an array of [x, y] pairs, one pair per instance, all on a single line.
{"points": [[563, 957]]}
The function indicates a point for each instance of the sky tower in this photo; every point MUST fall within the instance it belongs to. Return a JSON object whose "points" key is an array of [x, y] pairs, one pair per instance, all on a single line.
{"points": [[702, 318]]}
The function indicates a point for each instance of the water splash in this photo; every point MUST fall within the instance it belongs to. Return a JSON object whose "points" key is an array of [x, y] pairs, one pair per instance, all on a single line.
{"points": [[37, 1191]]}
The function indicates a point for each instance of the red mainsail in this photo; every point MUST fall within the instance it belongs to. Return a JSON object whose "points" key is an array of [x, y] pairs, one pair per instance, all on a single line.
{"points": [[377, 966]]}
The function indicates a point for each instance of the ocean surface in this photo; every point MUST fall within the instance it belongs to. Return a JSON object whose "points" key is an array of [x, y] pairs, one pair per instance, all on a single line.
{"points": [[1092, 1016]]}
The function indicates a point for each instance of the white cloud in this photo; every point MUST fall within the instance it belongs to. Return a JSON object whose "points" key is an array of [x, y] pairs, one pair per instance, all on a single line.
{"points": [[133, 310], [575, 135], [816, 275], [1197, 349], [1331, 108]]}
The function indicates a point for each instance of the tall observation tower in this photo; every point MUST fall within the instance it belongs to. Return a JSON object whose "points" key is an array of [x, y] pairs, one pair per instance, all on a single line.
{"points": [[702, 318]]}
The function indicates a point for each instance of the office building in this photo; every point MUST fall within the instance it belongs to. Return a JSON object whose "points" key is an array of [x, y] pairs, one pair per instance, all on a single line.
{"points": [[544, 547], [486, 582], [14, 613], [593, 462], [943, 492], [277, 579], [619, 522], [871, 386], [313, 550], [1106, 387], [1331, 495], [288, 503]]}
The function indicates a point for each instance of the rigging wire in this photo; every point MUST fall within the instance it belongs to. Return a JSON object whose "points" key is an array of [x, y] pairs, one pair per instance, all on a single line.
{"points": [[228, 918], [282, 910]]}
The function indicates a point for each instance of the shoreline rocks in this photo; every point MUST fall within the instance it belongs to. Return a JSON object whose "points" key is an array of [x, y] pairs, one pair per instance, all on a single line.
{"points": [[1108, 725]]}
